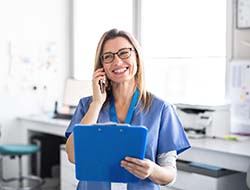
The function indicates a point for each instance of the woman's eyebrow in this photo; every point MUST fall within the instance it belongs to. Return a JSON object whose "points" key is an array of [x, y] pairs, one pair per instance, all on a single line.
{"points": [[117, 50]]}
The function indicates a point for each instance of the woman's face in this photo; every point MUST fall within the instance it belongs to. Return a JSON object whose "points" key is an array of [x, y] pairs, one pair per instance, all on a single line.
{"points": [[120, 70]]}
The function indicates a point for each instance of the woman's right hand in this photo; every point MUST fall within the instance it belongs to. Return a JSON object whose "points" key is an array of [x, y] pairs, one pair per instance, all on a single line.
{"points": [[98, 96]]}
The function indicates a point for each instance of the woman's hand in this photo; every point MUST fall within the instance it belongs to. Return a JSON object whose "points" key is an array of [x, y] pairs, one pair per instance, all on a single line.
{"points": [[140, 168], [98, 96]]}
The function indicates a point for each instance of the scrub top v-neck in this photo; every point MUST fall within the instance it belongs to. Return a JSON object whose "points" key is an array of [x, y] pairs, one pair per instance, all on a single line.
{"points": [[165, 133], [131, 109]]}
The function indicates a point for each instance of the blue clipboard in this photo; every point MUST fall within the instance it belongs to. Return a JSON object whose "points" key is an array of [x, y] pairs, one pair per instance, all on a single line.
{"points": [[100, 148]]}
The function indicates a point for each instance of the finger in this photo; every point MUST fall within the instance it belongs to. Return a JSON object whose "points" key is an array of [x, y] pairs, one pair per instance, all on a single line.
{"points": [[136, 173], [99, 74], [137, 161], [96, 83], [98, 78], [133, 166], [100, 69]]}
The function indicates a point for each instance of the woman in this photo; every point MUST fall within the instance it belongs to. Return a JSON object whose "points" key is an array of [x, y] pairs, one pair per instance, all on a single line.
{"points": [[119, 63]]}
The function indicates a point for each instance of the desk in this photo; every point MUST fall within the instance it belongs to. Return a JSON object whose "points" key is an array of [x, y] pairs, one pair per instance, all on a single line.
{"points": [[234, 155], [46, 125], [43, 124]]}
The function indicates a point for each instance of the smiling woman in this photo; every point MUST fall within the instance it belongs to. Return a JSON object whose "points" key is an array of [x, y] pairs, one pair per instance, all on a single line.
{"points": [[126, 100]]}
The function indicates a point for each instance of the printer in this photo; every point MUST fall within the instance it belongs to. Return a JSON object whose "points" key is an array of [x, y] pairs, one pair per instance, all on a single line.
{"points": [[204, 120]]}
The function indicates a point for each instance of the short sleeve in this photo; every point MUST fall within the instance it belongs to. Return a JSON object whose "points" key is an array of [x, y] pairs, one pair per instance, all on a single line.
{"points": [[80, 111], [171, 135]]}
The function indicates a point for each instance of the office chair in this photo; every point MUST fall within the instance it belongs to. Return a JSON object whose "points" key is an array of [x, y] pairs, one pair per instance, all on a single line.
{"points": [[21, 182]]}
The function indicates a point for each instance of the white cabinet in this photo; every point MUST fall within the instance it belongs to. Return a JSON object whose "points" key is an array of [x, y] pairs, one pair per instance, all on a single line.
{"points": [[67, 174], [194, 181]]}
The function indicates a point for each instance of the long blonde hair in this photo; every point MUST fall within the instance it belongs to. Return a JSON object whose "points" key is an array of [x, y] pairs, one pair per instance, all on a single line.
{"points": [[145, 97]]}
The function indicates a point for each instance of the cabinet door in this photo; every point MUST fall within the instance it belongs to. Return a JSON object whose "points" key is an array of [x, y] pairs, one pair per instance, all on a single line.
{"points": [[67, 174]]}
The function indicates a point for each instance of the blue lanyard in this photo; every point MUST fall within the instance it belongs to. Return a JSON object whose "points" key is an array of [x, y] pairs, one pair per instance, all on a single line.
{"points": [[131, 109]]}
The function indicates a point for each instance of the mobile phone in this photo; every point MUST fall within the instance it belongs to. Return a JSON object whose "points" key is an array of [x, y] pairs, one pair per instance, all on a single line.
{"points": [[102, 85]]}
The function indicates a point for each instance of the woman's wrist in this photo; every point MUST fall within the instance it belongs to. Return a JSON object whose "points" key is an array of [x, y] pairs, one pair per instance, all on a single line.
{"points": [[161, 175], [152, 175], [96, 105]]}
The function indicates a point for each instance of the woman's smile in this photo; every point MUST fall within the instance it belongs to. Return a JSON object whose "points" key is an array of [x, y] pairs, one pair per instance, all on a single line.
{"points": [[119, 71]]}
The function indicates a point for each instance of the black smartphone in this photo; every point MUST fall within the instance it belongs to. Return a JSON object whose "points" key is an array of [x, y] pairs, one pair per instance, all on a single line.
{"points": [[102, 85]]}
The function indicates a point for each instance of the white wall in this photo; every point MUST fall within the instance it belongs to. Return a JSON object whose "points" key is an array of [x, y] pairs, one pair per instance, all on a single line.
{"points": [[240, 49], [28, 28]]}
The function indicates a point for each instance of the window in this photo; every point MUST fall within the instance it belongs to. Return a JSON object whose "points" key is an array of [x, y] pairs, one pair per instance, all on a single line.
{"points": [[184, 44], [91, 20]]}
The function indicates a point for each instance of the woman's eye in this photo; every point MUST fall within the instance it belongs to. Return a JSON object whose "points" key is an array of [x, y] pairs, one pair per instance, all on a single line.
{"points": [[109, 56], [123, 53]]}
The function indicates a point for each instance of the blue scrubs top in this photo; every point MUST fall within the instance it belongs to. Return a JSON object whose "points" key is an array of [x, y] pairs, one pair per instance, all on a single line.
{"points": [[165, 133]]}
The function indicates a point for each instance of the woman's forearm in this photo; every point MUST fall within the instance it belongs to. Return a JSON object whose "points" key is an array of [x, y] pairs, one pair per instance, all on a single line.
{"points": [[90, 118], [92, 114], [163, 175], [70, 148]]}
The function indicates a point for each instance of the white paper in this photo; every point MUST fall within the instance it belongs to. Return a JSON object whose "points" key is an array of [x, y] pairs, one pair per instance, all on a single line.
{"points": [[118, 186], [240, 96]]}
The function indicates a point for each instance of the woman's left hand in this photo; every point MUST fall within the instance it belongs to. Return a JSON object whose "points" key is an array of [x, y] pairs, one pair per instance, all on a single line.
{"points": [[140, 168]]}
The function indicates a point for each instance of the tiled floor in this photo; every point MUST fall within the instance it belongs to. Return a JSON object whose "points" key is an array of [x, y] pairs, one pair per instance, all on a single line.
{"points": [[51, 184]]}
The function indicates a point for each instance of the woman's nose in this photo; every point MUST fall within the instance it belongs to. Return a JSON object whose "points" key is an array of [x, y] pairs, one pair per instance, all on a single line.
{"points": [[117, 60]]}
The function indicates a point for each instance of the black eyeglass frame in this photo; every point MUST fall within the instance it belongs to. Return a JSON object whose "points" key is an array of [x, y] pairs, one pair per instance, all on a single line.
{"points": [[116, 53]]}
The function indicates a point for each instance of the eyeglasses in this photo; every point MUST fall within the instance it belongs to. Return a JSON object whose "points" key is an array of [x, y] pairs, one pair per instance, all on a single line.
{"points": [[123, 53]]}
